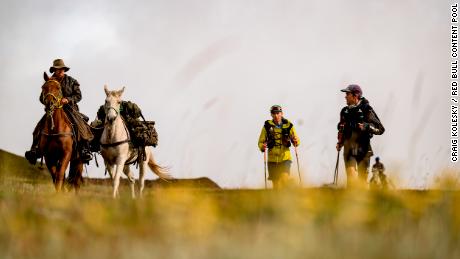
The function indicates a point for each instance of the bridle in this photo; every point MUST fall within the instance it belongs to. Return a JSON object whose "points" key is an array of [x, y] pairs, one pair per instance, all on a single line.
{"points": [[107, 110], [117, 112], [55, 104]]}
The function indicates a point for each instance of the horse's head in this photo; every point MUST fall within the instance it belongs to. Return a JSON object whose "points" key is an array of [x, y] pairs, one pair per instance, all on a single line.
{"points": [[51, 93], [112, 104]]}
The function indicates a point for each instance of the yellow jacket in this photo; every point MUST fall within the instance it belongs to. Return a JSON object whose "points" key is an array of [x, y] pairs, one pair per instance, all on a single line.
{"points": [[279, 152]]}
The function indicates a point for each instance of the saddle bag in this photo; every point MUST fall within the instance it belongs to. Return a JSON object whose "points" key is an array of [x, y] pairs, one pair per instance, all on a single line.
{"points": [[145, 134], [97, 127]]}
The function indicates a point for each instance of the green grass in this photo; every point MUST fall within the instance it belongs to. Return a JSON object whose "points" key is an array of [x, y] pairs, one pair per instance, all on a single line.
{"points": [[35, 222]]}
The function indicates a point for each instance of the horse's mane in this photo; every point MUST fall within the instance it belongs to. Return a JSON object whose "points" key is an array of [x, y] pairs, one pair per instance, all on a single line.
{"points": [[53, 79]]}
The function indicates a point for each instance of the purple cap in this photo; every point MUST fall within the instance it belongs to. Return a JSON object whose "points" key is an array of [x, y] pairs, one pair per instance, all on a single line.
{"points": [[354, 89]]}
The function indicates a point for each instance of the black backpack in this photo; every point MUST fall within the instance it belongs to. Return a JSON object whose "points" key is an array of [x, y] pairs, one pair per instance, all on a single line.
{"points": [[285, 134]]}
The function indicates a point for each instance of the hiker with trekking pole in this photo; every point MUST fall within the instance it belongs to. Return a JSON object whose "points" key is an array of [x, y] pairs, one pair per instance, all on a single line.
{"points": [[358, 124], [275, 139]]}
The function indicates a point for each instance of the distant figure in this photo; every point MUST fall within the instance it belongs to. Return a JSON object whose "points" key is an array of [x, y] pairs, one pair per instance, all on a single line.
{"points": [[358, 123], [71, 95], [276, 136], [379, 180]]}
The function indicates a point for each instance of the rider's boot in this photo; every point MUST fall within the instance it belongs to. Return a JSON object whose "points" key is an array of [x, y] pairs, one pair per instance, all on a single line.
{"points": [[33, 154], [85, 152]]}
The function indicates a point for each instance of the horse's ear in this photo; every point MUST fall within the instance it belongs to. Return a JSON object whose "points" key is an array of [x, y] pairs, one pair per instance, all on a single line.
{"points": [[45, 76], [107, 92], [120, 92]]}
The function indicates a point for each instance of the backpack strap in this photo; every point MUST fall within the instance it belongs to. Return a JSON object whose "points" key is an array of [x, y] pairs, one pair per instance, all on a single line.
{"points": [[286, 133], [267, 126], [142, 116], [269, 134]]}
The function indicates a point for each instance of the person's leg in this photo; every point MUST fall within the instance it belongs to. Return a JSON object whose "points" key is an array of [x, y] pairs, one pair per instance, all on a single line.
{"points": [[350, 165], [84, 136], [272, 176], [373, 184], [351, 170], [85, 151], [363, 173], [383, 180], [283, 180], [285, 169], [279, 173], [34, 153], [276, 184]]}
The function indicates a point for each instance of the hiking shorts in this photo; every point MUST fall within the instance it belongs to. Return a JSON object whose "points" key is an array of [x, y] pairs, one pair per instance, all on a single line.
{"points": [[276, 169]]}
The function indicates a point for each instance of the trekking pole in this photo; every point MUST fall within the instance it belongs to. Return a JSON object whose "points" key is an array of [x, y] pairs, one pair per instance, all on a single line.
{"points": [[265, 167], [298, 167], [336, 172]]}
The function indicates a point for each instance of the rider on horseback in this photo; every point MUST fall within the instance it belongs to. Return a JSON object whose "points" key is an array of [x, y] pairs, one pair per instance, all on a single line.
{"points": [[72, 95]]}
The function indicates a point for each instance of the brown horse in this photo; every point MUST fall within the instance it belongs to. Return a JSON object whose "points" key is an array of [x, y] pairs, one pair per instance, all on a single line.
{"points": [[57, 138]]}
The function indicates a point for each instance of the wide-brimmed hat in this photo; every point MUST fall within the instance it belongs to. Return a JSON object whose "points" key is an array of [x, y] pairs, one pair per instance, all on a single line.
{"points": [[354, 89], [58, 64]]}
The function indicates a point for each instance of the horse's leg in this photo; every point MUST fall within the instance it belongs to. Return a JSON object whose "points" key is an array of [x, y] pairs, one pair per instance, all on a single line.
{"points": [[61, 170], [111, 170], [51, 165], [79, 171], [130, 176], [76, 174], [142, 166], [116, 178]]}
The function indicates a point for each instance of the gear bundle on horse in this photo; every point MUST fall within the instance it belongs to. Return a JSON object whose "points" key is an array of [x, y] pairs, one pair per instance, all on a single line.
{"points": [[143, 133], [117, 148], [57, 139]]}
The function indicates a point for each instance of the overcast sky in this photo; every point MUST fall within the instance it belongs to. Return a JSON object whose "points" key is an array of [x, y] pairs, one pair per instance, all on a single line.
{"points": [[208, 71]]}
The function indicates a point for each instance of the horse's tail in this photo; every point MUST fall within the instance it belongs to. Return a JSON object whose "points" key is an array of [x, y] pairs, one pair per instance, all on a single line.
{"points": [[162, 172]]}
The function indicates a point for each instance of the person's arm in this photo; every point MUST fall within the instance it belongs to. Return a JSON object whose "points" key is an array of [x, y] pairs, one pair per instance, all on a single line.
{"points": [[262, 140], [373, 124], [75, 96], [101, 113], [340, 130], [294, 138]]}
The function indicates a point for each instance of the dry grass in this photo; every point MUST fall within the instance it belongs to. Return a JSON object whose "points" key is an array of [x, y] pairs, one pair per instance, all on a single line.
{"points": [[185, 223]]}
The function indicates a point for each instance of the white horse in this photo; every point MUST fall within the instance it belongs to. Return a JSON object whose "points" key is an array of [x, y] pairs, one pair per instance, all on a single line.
{"points": [[117, 150]]}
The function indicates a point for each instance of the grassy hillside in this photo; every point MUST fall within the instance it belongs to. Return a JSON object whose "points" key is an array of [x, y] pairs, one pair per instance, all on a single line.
{"points": [[35, 222], [12, 165]]}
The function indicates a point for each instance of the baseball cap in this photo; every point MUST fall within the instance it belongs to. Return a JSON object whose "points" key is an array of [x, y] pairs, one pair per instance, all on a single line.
{"points": [[354, 89], [275, 109]]}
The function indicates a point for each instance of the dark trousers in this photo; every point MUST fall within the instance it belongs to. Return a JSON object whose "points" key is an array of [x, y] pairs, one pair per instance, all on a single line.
{"points": [[278, 173], [356, 165]]}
